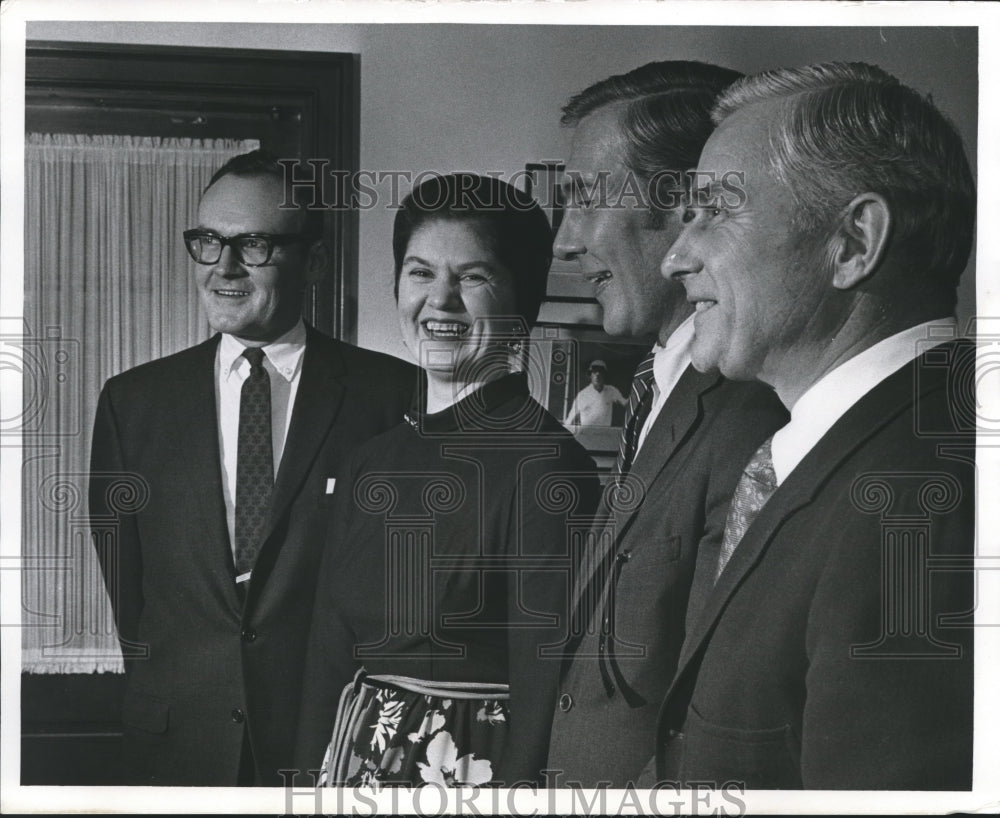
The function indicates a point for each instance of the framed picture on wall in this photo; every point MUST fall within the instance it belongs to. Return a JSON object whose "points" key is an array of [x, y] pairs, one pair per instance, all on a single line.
{"points": [[583, 376], [569, 297], [542, 182], [565, 280], [577, 371]]}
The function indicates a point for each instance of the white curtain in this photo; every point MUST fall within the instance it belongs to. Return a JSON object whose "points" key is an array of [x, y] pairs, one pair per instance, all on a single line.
{"points": [[108, 285]]}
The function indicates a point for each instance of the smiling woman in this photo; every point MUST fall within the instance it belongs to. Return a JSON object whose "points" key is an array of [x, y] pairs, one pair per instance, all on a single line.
{"points": [[471, 258], [449, 569], [452, 292]]}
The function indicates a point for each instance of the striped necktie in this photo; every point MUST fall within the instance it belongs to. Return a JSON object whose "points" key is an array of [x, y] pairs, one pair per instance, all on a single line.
{"points": [[254, 460], [756, 485], [640, 400]]}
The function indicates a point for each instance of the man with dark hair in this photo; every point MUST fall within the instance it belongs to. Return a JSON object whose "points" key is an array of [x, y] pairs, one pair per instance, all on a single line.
{"points": [[231, 446], [686, 434], [833, 652], [261, 163]]}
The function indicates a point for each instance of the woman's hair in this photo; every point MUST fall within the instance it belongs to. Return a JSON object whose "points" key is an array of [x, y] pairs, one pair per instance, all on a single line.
{"points": [[509, 220]]}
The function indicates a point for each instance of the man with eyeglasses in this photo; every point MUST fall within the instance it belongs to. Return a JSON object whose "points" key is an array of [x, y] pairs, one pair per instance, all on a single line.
{"points": [[233, 445]]}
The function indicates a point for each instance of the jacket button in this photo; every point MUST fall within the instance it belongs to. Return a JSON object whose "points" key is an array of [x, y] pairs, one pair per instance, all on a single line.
{"points": [[672, 734], [565, 702], [249, 635], [237, 715]]}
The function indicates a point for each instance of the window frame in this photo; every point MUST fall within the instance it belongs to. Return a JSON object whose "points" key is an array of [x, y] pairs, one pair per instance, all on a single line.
{"points": [[299, 104]]}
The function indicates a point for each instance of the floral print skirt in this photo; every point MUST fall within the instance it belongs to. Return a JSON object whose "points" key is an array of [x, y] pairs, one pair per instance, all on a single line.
{"points": [[399, 730]]}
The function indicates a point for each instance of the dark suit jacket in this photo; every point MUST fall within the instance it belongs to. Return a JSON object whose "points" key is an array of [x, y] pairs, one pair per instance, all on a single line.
{"points": [[836, 649], [202, 667], [604, 723]]}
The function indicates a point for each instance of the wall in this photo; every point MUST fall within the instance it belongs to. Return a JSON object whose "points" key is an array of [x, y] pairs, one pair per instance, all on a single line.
{"points": [[466, 97]]}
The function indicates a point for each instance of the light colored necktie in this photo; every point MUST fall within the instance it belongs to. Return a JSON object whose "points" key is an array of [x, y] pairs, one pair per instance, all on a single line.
{"points": [[756, 485], [640, 400], [254, 460]]}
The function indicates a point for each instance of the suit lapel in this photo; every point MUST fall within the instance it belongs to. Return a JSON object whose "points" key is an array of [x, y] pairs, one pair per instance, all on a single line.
{"points": [[674, 424], [317, 403], [198, 412], [876, 409]]}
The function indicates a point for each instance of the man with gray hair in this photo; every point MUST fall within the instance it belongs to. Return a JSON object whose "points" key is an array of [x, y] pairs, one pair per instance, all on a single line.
{"points": [[686, 434], [835, 649]]}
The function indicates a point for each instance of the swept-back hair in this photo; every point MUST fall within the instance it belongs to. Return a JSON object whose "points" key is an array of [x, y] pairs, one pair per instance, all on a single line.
{"points": [[665, 112], [264, 163], [850, 128]]}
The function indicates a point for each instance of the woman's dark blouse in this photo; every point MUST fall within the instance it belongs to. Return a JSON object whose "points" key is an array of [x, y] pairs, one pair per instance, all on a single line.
{"points": [[470, 512]]}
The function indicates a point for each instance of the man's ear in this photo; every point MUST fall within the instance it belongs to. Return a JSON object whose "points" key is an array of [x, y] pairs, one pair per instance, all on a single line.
{"points": [[860, 240], [317, 262]]}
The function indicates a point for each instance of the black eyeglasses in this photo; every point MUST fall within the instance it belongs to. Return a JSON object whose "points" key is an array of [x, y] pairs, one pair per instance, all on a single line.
{"points": [[253, 249]]}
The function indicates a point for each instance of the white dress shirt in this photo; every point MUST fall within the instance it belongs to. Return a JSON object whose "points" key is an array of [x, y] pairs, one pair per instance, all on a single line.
{"points": [[669, 364], [593, 408], [283, 364], [827, 400]]}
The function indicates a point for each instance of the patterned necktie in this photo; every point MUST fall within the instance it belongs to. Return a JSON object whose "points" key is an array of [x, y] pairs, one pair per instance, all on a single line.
{"points": [[254, 460], [640, 400], [756, 485]]}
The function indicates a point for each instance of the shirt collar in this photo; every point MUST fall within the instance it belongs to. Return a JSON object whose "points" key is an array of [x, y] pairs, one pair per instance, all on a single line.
{"points": [[674, 356], [827, 400], [284, 353]]}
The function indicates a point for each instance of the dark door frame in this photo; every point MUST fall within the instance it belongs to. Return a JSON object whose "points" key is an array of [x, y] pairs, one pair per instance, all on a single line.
{"points": [[299, 104]]}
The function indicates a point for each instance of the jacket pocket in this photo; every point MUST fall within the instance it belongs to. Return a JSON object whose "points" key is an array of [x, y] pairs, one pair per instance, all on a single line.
{"points": [[325, 492], [672, 549], [146, 713], [763, 759]]}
